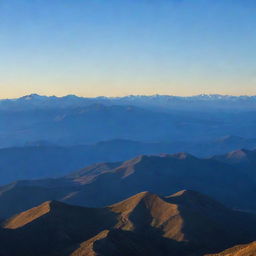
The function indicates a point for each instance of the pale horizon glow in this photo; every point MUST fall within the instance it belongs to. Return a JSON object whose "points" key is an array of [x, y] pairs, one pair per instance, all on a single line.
{"points": [[125, 95], [117, 48]]}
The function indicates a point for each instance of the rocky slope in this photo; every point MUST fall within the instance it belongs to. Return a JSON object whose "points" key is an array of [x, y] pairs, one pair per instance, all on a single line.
{"points": [[183, 224]]}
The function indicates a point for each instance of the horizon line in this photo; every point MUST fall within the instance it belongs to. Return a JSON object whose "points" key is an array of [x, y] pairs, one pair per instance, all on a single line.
{"points": [[128, 95]]}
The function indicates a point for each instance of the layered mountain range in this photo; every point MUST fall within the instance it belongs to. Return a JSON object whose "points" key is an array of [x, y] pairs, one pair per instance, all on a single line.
{"points": [[77, 121], [210, 101], [72, 192], [40, 160], [228, 178], [183, 224]]}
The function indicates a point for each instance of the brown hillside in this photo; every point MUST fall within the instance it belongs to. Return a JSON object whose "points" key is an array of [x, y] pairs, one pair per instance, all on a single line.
{"points": [[104, 184], [26, 217], [239, 250], [182, 224]]}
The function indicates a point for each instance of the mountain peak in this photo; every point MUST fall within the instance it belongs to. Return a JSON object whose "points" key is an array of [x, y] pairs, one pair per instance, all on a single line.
{"points": [[128, 205], [133, 201], [32, 96], [141, 210], [186, 218], [237, 156]]}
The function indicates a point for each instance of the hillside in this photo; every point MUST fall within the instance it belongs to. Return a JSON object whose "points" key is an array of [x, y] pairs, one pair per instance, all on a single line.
{"points": [[105, 183], [40, 160], [239, 250], [181, 224]]}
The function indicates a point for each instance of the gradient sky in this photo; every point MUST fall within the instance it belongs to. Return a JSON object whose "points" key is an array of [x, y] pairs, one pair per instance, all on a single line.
{"points": [[120, 47]]}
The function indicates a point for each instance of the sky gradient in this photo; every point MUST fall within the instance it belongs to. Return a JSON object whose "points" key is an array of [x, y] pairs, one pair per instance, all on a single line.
{"points": [[121, 47]]}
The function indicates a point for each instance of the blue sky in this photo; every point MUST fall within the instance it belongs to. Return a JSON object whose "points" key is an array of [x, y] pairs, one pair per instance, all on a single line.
{"points": [[120, 47]]}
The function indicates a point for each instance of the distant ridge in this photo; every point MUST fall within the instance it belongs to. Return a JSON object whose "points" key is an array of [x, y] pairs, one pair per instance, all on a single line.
{"points": [[161, 101], [227, 179], [41, 159], [72, 120], [35, 96]]}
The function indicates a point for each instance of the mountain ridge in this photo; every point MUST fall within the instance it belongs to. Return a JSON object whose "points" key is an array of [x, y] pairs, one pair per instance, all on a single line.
{"points": [[146, 100], [49, 161], [202, 96], [192, 224], [102, 184]]}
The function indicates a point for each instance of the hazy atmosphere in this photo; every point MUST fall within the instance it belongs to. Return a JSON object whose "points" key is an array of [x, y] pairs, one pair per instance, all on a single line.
{"points": [[117, 48], [127, 128]]}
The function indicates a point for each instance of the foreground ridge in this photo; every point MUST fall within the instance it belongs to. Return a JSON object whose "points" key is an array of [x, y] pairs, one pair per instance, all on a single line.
{"points": [[181, 224]]}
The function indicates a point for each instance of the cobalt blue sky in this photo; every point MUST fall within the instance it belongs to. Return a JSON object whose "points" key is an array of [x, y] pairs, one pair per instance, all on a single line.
{"points": [[120, 47]]}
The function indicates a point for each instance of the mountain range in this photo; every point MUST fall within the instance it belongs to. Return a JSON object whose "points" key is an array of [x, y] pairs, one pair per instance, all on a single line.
{"points": [[228, 178], [93, 123], [75, 169], [40, 160], [210, 101], [183, 224]]}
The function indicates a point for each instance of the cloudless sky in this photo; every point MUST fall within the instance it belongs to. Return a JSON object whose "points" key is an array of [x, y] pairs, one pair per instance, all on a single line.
{"points": [[120, 47]]}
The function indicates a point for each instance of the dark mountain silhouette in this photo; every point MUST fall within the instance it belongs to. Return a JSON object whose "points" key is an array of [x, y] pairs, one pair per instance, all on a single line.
{"points": [[183, 224], [105, 183]]}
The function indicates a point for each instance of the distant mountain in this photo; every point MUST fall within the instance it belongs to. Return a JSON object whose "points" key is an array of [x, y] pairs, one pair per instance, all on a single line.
{"points": [[242, 157], [186, 223], [72, 120], [105, 183], [217, 146], [208, 101], [41, 160], [96, 123]]}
